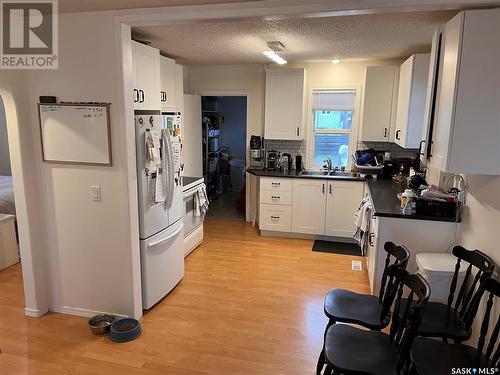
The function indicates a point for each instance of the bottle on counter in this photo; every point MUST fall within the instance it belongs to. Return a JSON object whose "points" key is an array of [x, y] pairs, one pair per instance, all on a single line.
{"points": [[408, 204]]}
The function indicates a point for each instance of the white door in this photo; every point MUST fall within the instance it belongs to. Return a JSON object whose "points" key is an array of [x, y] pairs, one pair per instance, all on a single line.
{"points": [[153, 216], [445, 95], [378, 106], [147, 61], [308, 206], [162, 264], [284, 104], [343, 200], [167, 93], [404, 97]]}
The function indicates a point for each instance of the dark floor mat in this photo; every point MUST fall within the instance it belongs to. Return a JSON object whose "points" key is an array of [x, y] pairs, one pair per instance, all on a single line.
{"points": [[337, 248]]}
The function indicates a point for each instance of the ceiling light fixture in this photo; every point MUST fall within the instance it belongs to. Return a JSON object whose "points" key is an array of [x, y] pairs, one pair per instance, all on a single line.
{"points": [[335, 61], [272, 52]]}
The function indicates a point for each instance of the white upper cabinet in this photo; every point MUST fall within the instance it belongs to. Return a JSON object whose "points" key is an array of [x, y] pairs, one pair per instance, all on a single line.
{"points": [[308, 206], [379, 104], [179, 87], [466, 132], [412, 91], [167, 92], [146, 70], [342, 203], [284, 110]]}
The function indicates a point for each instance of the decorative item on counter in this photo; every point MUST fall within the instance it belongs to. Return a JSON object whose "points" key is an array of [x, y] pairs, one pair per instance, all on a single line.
{"points": [[417, 183], [408, 204], [298, 163]]}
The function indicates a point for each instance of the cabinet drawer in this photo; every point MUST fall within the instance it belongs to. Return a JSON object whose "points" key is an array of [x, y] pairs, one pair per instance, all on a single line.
{"points": [[275, 217], [276, 197], [276, 184]]}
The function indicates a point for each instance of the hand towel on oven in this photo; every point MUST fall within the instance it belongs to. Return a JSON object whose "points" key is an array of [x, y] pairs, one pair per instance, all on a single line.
{"points": [[362, 222], [200, 201]]}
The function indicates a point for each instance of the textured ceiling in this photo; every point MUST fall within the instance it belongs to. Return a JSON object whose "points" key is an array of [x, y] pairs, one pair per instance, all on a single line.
{"points": [[375, 36], [70, 6]]}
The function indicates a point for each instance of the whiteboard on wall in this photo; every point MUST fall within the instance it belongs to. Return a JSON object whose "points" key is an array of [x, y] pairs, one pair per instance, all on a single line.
{"points": [[75, 133]]}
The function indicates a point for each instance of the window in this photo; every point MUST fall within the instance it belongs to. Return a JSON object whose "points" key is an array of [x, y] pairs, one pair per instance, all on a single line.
{"points": [[332, 126]]}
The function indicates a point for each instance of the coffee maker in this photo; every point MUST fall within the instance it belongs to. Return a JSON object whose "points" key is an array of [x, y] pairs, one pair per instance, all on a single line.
{"points": [[256, 146], [272, 160]]}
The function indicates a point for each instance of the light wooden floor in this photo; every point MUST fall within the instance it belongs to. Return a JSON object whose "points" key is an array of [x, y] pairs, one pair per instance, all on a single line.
{"points": [[247, 305]]}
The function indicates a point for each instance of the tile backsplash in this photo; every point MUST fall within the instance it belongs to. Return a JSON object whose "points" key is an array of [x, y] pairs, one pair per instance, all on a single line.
{"points": [[291, 147], [396, 151], [296, 147]]}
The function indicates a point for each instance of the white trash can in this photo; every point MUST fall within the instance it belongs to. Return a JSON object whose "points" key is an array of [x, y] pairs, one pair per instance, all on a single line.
{"points": [[438, 269]]}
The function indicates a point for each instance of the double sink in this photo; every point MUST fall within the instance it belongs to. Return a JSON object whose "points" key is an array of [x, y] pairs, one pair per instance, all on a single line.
{"points": [[327, 174]]}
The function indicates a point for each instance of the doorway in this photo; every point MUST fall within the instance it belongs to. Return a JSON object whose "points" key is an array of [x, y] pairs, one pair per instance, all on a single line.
{"points": [[224, 125], [9, 238]]}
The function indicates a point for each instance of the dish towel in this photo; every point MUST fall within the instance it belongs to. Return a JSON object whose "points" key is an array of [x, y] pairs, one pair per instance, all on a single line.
{"points": [[362, 222], [201, 201]]}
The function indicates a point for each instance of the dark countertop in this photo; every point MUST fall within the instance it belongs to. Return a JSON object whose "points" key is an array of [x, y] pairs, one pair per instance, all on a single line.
{"points": [[383, 194], [345, 176], [188, 182]]}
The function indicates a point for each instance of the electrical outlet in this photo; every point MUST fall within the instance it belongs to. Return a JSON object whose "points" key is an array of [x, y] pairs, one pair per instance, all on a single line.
{"points": [[356, 265], [96, 193]]}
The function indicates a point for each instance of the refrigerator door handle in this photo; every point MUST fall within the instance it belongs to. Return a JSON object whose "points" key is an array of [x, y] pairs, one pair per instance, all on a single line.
{"points": [[166, 239]]}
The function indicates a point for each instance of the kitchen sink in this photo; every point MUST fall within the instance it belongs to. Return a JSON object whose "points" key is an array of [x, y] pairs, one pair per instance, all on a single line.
{"points": [[317, 173], [326, 174]]}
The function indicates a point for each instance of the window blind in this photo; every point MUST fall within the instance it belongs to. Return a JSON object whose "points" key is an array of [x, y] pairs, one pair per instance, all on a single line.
{"points": [[334, 100]]}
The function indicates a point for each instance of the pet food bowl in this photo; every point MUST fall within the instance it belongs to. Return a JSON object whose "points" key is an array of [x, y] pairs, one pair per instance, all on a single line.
{"points": [[100, 324], [124, 330]]}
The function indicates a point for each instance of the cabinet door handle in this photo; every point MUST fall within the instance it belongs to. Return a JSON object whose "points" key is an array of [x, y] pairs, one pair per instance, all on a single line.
{"points": [[385, 132], [398, 132], [371, 239], [165, 94], [141, 96], [275, 183], [420, 152], [429, 150], [275, 197], [275, 217], [323, 188], [298, 131], [330, 189], [136, 95]]}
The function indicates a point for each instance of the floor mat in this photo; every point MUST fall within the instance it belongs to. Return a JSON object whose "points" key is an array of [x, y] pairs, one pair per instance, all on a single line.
{"points": [[337, 247]]}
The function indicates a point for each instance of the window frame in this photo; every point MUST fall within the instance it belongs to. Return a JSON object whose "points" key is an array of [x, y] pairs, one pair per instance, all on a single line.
{"points": [[310, 140]]}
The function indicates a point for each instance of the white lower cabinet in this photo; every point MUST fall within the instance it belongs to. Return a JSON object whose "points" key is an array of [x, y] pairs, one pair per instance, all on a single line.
{"points": [[276, 218], [308, 206], [275, 209], [342, 203], [316, 207]]}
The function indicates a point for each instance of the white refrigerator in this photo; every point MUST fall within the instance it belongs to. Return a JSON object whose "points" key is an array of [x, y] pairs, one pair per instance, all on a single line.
{"points": [[159, 176]]}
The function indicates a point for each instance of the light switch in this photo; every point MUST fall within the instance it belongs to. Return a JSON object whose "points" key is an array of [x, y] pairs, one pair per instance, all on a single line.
{"points": [[96, 193]]}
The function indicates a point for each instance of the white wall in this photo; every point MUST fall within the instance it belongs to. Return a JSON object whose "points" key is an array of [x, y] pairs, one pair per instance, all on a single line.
{"points": [[4, 144], [232, 79], [481, 223], [91, 252]]}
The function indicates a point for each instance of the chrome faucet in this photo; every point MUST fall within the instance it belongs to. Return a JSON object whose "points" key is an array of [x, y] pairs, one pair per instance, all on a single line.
{"points": [[328, 165]]}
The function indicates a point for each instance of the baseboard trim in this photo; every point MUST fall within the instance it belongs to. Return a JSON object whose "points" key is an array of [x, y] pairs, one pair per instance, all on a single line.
{"points": [[270, 233], [82, 312], [33, 313]]}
